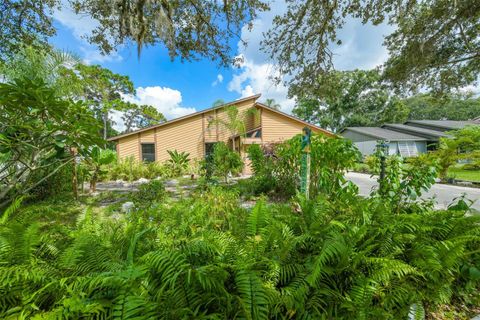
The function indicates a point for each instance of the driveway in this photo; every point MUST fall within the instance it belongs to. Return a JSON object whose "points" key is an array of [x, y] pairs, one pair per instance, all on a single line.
{"points": [[443, 193]]}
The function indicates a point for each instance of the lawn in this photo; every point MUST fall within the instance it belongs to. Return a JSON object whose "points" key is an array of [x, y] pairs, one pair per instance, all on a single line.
{"points": [[467, 175]]}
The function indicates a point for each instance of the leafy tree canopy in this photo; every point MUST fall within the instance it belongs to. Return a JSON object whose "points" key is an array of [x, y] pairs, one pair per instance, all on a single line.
{"points": [[451, 107], [27, 22], [187, 28], [137, 117], [350, 98], [435, 44], [103, 88]]}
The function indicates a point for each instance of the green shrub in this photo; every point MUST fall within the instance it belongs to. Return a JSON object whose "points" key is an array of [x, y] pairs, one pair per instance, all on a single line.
{"points": [[130, 169], [226, 161], [262, 181], [279, 167], [149, 194], [373, 164], [95, 162], [178, 162], [361, 167], [463, 144]]}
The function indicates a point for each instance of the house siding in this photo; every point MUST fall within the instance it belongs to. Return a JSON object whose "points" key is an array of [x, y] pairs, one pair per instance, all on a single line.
{"points": [[128, 147], [277, 128], [183, 136]]}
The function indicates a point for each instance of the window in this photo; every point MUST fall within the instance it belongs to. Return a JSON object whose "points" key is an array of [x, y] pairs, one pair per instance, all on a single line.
{"points": [[407, 148], [209, 148], [255, 134], [148, 152]]}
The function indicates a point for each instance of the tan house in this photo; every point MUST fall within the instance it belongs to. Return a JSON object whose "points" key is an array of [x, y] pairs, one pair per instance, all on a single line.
{"points": [[198, 132]]}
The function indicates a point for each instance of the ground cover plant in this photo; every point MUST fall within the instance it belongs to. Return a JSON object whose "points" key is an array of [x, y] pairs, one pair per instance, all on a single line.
{"points": [[336, 255]]}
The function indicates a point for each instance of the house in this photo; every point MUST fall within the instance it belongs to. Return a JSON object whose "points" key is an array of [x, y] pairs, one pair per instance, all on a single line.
{"points": [[197, 133], [408, 139]]}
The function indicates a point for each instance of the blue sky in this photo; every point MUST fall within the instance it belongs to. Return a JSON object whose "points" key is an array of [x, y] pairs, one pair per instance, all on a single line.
{"points": [[177, 88]]}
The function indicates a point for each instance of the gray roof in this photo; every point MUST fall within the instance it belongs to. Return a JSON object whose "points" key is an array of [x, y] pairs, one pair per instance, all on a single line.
{"points": [[384, 134], [444, 124], [422, 132]]}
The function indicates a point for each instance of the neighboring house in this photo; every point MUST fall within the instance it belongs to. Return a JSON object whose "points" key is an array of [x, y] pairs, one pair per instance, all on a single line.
{"points": [[366, 140], [197, 133], [408, 139]]}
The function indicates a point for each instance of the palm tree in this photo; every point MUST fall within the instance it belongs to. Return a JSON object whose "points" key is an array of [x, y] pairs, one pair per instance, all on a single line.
{"points": [[235, 121], [217, 103], [271, 103]]}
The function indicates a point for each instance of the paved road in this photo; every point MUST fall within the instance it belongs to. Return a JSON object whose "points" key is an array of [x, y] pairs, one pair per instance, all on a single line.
{"points": [[443, 193]]}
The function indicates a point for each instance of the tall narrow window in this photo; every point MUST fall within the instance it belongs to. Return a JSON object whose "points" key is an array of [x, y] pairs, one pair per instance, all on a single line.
{"points": [[209, 146], [148, 152]]}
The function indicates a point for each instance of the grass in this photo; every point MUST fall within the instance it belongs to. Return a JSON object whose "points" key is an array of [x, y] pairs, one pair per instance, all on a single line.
{"points": [[467, 175]]}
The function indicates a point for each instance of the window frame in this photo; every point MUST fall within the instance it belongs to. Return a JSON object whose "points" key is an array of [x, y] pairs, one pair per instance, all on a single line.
{"points": [[148, 153]]}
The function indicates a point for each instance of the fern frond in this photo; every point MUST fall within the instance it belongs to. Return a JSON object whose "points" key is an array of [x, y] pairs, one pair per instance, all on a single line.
{"points": [[253, 298]]}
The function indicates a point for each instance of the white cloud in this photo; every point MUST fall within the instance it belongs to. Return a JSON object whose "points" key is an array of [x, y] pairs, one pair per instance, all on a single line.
{"points": [[473, 89], [80, 26], [165, 100], [254, 78], [362, 45], [255, 72], [218, 80]]}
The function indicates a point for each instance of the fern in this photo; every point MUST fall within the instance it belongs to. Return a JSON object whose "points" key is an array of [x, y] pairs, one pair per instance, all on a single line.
{"points": [[14, 206], [252, 296]]}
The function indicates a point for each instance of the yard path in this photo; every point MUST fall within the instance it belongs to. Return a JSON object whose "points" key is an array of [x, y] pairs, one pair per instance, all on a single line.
{"points": [[443, 193]]}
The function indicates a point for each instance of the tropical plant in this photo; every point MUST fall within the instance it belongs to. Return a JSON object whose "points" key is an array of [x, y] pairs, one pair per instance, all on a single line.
{"points": [[206, 257], [271, 103], [38, 131], [178, 161], [280, 167], [226, 162], [95, 162], [235, 122], [130, 169]]}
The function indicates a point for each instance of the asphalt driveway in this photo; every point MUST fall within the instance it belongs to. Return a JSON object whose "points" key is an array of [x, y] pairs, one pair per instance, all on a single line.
{"points": [[443, 193]]}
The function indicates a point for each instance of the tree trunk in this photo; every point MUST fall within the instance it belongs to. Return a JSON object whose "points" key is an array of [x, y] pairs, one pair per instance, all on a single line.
{"points": [[93, 183], [105, 122], [74, 176]]}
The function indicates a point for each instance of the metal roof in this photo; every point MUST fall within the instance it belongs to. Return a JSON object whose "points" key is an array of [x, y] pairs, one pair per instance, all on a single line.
{"points": [[422, 132], [385, 134], [444, 124]]}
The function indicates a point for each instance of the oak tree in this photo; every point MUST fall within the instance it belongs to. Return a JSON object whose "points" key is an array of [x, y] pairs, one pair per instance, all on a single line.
{"points": [[435, 44]]}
